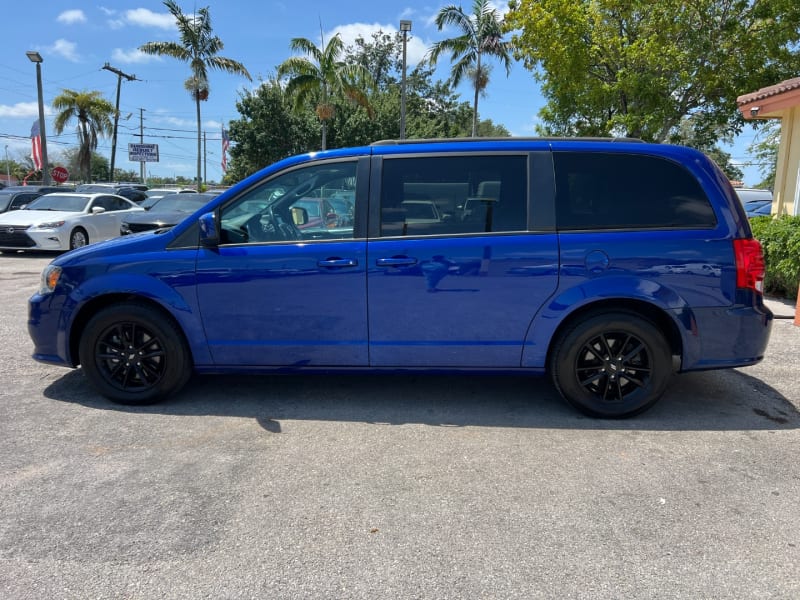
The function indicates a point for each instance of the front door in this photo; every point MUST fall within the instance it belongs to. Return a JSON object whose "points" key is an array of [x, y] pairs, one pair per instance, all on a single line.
{"points": [[276, 292]]}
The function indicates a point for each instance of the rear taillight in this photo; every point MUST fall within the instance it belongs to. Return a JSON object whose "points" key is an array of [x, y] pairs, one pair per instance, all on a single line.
{"points": [[750, 266]]}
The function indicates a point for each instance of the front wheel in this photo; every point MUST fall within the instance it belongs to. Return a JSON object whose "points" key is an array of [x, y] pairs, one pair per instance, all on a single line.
{"points": [[612, 365], [133, 354], [78, 238]]}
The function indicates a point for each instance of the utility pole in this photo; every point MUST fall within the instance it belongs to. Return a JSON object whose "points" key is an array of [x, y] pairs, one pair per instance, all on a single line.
{"points": [[119, 75], [141, 141], [205, 164]]}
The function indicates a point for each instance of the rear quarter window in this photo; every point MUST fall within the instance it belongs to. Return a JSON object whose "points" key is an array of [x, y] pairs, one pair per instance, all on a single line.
{"points": [[627, 191]]}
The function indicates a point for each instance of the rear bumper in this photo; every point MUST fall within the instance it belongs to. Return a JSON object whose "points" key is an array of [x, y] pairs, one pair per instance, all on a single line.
{"points": [[721, 338]]}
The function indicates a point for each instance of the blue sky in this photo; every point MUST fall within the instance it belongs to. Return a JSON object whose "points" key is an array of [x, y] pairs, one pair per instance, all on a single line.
{"points": [[76, 39]]}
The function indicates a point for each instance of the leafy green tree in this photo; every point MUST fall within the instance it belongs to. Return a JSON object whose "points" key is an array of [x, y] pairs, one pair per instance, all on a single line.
{"points": [[93, 114], [98, 169], [705, 138], [269, 128], [322, 76], [765, 151], [481, 35], [200, 48], [637, 67], [267, 131]]}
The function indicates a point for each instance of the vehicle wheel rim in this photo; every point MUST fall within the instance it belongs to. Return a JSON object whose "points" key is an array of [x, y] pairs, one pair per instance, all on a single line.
{"points": [[131, 357], [613, 365], [78, 239]]}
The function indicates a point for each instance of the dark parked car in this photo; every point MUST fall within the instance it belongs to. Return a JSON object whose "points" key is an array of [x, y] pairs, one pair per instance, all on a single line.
{"points": [[607, 264], [167, 212], [16, 196], [132, 192]]}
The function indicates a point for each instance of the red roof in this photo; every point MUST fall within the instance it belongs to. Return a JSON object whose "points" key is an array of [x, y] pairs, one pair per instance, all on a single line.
{"points": [[773, 90]]}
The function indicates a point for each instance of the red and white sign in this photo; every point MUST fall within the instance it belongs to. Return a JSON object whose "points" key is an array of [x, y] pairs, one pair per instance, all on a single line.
{"points": [[59, 174]]}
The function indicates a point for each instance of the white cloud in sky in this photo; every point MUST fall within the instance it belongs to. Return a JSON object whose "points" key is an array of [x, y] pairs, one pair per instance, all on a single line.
{"points": [[133, 56], [415, 49], [70, 17], [65, 49], [147, 18], [20, 110]]}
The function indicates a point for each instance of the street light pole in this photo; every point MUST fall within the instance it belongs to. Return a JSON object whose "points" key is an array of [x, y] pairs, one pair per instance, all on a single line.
{"points": [[405, 27], [35, 57]]}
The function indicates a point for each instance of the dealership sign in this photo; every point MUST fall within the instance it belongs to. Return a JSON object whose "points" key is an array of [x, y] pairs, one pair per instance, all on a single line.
{"points": [[143, 152]]}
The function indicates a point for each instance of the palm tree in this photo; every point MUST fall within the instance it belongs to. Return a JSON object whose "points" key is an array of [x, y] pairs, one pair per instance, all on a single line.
{"points": [[198, 47], [93, 113], [481, 35], [322, 77]]}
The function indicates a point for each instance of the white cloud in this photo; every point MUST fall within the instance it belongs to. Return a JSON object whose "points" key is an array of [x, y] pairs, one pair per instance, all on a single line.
{"points": [[20, 110], [147, 18], [66, 49], [70, 17], [415, 48], [133, 56]]}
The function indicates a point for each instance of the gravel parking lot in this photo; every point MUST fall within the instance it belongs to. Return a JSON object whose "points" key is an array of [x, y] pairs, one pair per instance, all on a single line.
{"points": [[393, 487]]}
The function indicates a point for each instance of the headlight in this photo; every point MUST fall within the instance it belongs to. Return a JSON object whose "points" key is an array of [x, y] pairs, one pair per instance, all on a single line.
{"points": [[50, 277], [50, 225]]}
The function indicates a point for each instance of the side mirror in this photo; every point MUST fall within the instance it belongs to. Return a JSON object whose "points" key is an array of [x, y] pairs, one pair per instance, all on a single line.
{"points": [[96, 210], [299, 215], [209, 236]]}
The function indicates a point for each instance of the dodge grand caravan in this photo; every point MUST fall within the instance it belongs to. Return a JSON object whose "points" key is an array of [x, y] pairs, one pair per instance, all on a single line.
{"points": [[608, 264]]}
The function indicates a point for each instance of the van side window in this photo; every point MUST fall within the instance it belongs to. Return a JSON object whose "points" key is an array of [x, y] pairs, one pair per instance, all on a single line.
{"points": [[625, 191], [446, 195]]}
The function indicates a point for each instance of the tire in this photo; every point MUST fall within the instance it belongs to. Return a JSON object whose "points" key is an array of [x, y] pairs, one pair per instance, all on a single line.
{"points": [[134, 354], [611, 365], [78, 238]]}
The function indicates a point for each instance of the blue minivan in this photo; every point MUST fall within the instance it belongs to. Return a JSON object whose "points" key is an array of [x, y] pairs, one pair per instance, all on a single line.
{"points": [[609, 264]]}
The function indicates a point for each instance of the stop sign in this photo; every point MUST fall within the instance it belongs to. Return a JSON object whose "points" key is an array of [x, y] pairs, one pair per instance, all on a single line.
{"points": [[60, 174]]}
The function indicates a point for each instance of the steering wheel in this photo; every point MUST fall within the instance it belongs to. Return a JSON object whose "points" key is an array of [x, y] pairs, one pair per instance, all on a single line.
{"points": [[269, 227]]}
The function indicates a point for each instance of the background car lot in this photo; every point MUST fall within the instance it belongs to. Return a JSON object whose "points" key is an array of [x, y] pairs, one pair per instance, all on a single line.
{"points": [[366, 487]]}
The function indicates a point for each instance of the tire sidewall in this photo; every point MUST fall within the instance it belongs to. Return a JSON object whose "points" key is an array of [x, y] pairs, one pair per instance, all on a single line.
{"points": [[566, 354], [178, 364]]}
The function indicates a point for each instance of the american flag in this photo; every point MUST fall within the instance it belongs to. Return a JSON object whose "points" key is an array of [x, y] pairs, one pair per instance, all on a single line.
{"points": [[36, 146], [225, 143]]}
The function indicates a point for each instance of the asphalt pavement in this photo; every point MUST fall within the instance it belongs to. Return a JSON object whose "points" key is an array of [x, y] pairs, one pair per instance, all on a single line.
{"points": [[394, 486]]}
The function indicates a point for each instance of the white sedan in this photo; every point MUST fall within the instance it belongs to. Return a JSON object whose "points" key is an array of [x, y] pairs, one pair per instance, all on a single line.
{"points": [[64, 221]]}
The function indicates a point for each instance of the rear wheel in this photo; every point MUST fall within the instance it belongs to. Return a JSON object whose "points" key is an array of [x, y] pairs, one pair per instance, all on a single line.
{"points": [[612, 365], [133, 354]]}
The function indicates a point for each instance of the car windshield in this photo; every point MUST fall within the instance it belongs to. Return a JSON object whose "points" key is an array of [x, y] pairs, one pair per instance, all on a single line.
{"points": [[59, 202], [4, 200], [180, 202]]}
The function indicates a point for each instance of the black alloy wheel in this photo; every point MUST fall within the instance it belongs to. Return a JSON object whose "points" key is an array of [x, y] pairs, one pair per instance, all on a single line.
{"points": [[612, 365], [133, 354]]}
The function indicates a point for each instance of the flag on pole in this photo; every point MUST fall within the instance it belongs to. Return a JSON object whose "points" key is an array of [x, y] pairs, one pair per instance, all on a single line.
{"points": [[225, 143], [36, 146]]}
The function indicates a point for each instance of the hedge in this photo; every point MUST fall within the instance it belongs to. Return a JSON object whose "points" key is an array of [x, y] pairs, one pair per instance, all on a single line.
{"points": [[780, 239]]}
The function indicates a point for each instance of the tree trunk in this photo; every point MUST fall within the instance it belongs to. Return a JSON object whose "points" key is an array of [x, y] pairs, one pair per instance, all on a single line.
{"points": [[199, 136], [477, 92]]}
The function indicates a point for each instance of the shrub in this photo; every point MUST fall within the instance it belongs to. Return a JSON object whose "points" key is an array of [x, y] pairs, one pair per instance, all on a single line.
{"points": [[780, 239]]}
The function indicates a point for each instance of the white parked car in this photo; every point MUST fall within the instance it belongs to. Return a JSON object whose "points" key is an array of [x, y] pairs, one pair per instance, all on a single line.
{"points": [[64, 221]]}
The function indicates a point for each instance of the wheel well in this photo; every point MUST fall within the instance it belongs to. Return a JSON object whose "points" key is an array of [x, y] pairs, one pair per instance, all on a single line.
{"points": [[92, 307], [636, 307]]}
